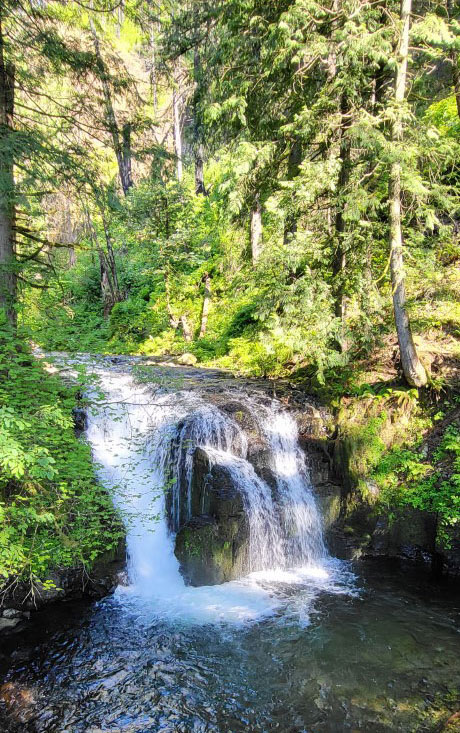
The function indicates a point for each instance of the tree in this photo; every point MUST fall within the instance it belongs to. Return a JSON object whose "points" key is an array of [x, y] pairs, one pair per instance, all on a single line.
{"points": [[413, 369], [121, 139], [7, 205]]}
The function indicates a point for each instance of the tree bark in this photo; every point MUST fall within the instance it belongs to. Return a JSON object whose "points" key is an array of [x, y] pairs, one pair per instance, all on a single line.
{"points": [[110, 289], [412, 367], [177, 122], [188, 335], [256, 231], [121, 141], [8, 282], [206, 305]]}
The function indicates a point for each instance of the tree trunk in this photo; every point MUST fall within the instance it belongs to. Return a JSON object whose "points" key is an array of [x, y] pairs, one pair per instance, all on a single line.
{"points": [[127, 176], [454, 60], [110, 289], [294, 161], [177, 121], [256, 231], [200, 188], [153, 77], [206, 305], [188, 335], [413, 369], [8, 284], [121, 142], [173, 320]]}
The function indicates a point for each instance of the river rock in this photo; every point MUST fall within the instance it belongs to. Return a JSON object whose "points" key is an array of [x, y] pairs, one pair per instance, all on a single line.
{"points": [[187, 359], [212, 547], [212, 551]]}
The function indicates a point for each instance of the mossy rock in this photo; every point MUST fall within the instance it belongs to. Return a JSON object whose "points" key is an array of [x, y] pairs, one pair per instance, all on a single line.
{"points": [[212, 552]]}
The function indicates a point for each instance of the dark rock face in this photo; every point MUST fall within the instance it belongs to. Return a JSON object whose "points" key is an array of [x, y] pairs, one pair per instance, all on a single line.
{"points": [[68, 584], [212, 546], [80, 420]]}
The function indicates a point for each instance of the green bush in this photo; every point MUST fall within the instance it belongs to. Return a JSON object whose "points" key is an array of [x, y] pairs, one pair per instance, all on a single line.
{"points": [[53, 511]]}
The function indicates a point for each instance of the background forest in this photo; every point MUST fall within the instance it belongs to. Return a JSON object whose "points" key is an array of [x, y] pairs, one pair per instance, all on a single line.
{"points": [[265, 186]]}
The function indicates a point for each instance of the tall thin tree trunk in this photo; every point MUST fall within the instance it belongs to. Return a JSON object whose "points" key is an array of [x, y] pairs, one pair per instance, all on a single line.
{"points": [[187, 331], [153, 76], [177, 122], [200, 188], [8, 283], [413, 369], [256, 230], [110, 288], [206, 305]]}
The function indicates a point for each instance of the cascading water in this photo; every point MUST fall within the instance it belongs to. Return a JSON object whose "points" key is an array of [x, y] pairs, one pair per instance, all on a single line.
{"points": [[144, 441], [299, 515]]}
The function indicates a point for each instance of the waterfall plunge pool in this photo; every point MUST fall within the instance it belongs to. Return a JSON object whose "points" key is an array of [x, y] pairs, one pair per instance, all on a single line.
{"points": [[299, 644]]}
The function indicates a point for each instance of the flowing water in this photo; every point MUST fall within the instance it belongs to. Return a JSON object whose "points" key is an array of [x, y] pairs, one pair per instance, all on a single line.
{"points": [[300, 643]]}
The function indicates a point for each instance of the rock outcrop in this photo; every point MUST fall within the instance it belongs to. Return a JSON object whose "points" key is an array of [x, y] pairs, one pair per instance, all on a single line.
{"points": [[212, 546], [65, 584]]}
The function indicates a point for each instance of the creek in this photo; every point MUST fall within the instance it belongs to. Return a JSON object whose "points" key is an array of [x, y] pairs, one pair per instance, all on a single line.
{"points": [[301, 642]]}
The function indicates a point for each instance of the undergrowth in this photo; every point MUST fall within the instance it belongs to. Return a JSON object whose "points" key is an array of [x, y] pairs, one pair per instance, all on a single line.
{"points": [[53, 512]]}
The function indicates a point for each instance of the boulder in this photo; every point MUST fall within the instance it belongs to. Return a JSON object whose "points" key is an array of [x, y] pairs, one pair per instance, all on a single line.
{"points": [[187, 359], [212, 547], [212, 551]]}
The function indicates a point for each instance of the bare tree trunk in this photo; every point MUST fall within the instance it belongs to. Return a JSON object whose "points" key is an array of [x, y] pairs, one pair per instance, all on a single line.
{"points": [[173, 320], [110, 289], [188, 335], [206, 305], [413, 369], [153, 76], [8, 283], [200, 188], [454, 60], [127, 179], [177, 122], [256, 230], [121, 142]]}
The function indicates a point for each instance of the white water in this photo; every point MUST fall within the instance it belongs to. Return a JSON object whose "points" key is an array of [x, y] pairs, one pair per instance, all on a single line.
{"points": [[142, 442]]}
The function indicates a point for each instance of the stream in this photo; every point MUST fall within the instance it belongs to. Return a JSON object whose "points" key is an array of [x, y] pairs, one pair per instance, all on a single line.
{"points": [[303, 642]]}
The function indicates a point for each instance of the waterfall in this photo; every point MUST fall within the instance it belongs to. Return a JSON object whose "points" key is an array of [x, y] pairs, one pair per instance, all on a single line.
{"points": [[144, 440], [299, 515]]}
